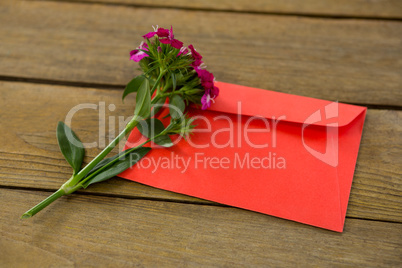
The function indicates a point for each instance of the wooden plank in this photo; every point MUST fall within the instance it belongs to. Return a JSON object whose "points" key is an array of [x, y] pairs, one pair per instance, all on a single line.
{"points": [[30, 156], [85, 230], [337, 8], [347, 60]]}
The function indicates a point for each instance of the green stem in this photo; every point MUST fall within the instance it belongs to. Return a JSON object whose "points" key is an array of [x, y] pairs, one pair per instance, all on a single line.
{"points": [[76, 182], [72, 184], [104, 152], [59, 193], [133, 123], [176, 92], [157, 82], [81, 183]]}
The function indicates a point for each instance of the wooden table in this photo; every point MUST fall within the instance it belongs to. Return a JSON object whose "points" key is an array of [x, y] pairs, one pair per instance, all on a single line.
{"points": [[57, 54]]}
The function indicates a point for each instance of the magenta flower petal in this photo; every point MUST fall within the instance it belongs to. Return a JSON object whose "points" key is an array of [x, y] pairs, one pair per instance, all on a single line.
{"points": [[137, 55], [198, 70], [206, 101], [171, 36], [183, 50], [206, 78], [149, 35], [208, 84], [196, 56], [159, 32], [133, 52], [162, 32], [202, 73], [215, 92], [176, 44], [165, 41]]}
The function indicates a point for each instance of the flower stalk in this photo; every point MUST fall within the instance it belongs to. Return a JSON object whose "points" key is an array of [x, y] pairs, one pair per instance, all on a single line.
{"points": [[73, 184], [178, 76]]}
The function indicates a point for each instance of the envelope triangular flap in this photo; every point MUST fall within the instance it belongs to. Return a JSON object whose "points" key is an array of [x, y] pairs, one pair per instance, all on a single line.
{"points": [[249, 101]]}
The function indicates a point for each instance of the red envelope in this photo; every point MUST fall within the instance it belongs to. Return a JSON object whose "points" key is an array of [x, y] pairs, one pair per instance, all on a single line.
{"points": [[283, 155]]}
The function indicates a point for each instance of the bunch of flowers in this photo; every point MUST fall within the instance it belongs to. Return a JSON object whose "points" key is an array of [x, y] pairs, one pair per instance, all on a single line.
{"points": [[179, 70], [173, 75]]}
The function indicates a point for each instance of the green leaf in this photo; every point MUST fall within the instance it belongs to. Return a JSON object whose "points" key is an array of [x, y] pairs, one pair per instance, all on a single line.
{"points": [[104, 162], [164, 141], [176, 107], [143, 100], [153, 127], [133, 85], [151, 85], [70, 146], [118, 166]]}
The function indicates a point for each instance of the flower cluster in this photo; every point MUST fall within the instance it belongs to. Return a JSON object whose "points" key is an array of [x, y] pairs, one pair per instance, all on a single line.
{"points": [[171, 73], [181, 68]]}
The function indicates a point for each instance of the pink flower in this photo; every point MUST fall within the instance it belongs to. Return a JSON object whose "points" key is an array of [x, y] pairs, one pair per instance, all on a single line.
{"points": [[171, 41], [211, 91], [166, 36], [174, 43], [183, 50], [214, 92], [196, 57], [207, 78], [206, 101], [137, 55], [159, 32]]}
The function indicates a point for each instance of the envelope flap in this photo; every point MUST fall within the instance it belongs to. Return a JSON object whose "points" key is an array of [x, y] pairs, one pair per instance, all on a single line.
{"points": [[250, 101]]}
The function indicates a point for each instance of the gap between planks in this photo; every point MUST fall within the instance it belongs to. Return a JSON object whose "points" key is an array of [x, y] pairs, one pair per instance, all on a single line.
{"points": [[226, 10], [142, 233], [202, 202], [121, 87], [176, 201]]}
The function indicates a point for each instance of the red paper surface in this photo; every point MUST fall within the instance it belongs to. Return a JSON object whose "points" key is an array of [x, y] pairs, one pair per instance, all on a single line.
{"points": [[295, 161]]}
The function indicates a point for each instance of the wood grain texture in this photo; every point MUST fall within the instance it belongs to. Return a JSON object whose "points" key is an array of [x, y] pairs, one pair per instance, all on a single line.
{"points": [[30, 157], [124, 224], [347, 60], [84, 230], [341, 8]]}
